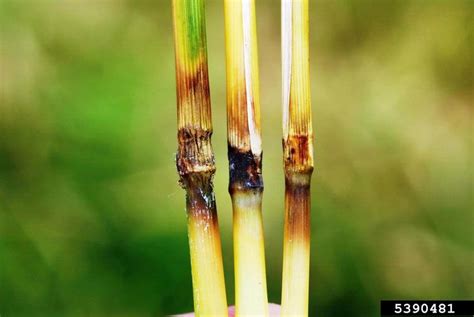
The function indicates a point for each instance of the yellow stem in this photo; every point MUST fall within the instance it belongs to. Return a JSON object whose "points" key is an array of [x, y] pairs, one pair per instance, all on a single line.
{"points": [[206, 264], [249, 255]]}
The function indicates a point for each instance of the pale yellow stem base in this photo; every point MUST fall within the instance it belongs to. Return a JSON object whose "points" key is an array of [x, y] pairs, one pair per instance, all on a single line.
{"points": [[249, 255], [294, 301], [206, 264]]}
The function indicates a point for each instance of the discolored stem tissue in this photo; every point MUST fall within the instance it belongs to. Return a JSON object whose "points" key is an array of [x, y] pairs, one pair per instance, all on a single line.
{"points": [[195, 158], [245, 157], [297, 155]]}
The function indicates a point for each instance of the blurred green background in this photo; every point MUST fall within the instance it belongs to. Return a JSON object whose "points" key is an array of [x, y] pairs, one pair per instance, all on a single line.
{"points": [[92, 220]]}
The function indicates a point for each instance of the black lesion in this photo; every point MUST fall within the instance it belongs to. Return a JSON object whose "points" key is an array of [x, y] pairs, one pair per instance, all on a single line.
{"points": [[245, 170]]}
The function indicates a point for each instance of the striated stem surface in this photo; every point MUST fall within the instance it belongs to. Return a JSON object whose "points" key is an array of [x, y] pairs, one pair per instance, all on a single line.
{"points": [[195, 158], [245, 157], [298, 157]]}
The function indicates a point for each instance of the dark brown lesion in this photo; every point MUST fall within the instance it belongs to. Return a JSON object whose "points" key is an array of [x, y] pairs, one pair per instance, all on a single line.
{"points": [[245, 170], [193, 86], [297, 205], [298, 170], [194, 152], [297, 154], [196, 168], [200, 199]]}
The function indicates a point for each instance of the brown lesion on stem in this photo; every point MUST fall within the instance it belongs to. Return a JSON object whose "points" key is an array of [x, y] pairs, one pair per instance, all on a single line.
{"points": [[298, 154], [297, 205], [193, 85], [298, 160], [192, 80], [245, 170], [192, 89], [237, 119], [200, 199], [196, 168], [194, 152]]}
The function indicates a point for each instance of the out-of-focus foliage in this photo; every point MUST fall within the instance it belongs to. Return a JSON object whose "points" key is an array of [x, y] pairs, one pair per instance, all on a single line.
{"points": [[92, 221]]}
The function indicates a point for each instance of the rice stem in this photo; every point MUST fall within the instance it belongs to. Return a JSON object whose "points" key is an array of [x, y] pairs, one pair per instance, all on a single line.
{"points": [[245, 157], [195, 157], [298, 157]]}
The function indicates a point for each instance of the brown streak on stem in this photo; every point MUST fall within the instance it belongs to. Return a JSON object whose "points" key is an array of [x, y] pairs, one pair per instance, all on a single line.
{"points": [[201, 205], [297, 205], [237, 119], [297, 154], [193, 96]]}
